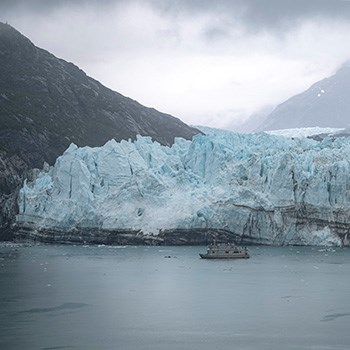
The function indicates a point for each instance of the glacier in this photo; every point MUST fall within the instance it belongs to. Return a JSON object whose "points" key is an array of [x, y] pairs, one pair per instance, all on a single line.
{"points": [[261, 188]]}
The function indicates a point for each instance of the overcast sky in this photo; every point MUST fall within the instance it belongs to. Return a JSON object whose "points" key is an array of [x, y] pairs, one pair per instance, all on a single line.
{"points": [[209, 62]]}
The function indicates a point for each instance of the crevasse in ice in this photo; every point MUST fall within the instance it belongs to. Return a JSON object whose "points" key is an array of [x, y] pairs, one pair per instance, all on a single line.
{"points": [[270, 189]]}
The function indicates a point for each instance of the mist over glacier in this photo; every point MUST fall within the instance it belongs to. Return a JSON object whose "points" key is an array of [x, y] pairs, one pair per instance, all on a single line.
{"points": [[268, 189]]}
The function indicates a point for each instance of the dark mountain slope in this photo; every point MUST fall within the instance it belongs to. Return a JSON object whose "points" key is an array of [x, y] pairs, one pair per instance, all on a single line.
{"points": [[46, 103], [325, 104]]}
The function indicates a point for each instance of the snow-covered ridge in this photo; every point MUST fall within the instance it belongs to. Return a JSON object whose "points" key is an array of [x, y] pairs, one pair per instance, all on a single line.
{"points": [[304, 132], [266, 188]]}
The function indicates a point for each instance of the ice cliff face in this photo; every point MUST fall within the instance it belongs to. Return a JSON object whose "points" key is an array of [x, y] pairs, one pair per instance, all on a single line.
{"points": [[47, 103], [266, 189]]}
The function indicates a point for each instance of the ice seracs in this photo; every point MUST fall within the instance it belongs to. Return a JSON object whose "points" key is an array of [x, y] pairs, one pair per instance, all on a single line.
{"points": [[304, 132], [266, 188]]}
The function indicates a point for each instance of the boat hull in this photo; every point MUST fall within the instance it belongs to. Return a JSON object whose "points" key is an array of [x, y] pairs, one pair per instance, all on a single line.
{"points": [[233, 256]]}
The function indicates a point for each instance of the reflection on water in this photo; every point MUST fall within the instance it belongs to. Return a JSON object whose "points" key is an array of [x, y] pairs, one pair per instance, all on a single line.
{"points": [[100, 297], [65, 306], [333, 317]]}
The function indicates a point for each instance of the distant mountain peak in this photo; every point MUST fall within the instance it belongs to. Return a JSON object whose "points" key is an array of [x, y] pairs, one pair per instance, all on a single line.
{"points": [[325, 104], [344, 68]]}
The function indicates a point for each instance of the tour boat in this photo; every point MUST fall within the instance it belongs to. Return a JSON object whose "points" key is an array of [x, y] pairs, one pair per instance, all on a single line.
{"points": [[225, 251]]}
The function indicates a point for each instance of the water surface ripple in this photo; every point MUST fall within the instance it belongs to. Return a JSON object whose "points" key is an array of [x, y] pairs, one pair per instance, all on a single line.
{"points": [[133, 298]]}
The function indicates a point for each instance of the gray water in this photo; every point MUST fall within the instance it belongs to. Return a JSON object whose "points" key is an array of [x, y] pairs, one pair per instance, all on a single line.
{"points": [[66, 297]]}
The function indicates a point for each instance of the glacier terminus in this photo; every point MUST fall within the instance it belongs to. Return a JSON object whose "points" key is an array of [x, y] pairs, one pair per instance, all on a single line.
{"points": [[259, 188]]}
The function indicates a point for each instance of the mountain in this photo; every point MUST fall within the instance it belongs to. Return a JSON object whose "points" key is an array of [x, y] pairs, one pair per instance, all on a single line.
{"points": [[249, 125], [325, 104], [47, 103], [254, 188]]}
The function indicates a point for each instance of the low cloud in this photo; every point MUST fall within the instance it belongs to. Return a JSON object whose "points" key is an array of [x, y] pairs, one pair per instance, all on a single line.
{"points": [[207, 62]]}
